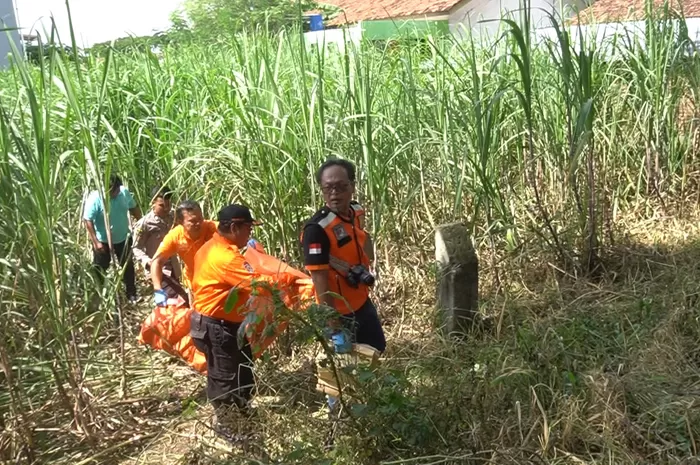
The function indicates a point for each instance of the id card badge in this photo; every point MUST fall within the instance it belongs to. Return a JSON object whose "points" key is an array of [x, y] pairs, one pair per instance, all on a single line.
{"points": [[341, 235]]}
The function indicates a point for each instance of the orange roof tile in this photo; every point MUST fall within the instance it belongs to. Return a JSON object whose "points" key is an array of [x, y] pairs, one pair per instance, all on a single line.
{"points": [[608, 11], [353, 11]]}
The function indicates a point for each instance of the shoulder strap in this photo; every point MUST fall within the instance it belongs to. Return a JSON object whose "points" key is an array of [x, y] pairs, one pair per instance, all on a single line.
{"points": [[358, 209]]}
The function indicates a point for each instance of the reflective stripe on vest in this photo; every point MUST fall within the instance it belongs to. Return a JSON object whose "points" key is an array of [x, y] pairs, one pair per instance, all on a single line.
{"points": [[341, 266], [341, 259], [328, 219]]}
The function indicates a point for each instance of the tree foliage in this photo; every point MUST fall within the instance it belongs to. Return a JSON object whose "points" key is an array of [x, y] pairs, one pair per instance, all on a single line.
{"points": [[223, 17], [179, 32]]}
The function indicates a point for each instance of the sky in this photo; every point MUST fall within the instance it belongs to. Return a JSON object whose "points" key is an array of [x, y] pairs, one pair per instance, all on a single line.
{"points": [[96, 20]]}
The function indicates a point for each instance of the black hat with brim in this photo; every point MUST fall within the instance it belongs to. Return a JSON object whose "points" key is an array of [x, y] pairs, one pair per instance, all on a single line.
{"points": [[237, 214]]}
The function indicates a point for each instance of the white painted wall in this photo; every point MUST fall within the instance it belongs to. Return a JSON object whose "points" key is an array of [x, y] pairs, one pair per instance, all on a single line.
{"points": [[468, 13], [607, 36], [8, 19], [604, 34], [338, 36]]}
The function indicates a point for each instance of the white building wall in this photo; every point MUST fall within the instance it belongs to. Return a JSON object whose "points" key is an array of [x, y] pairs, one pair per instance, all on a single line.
{"points": [[612, 38], [337, 37], [8, 19], [468, 13]]}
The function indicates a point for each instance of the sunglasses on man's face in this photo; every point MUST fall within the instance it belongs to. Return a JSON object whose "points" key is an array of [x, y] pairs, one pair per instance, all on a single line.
{"points": [[339, 188]]}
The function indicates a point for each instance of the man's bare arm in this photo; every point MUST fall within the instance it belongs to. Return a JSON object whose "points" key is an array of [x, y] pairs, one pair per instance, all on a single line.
{"points": [[157, 271], [141, 234], [136, 212], [322, 289], [97, 245], [369, 248], [320, 280], [369, 244]]}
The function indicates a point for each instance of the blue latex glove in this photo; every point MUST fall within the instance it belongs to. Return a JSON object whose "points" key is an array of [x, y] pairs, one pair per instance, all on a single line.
{"points": [[161, 298], [332, 403], [341, 343], [328, 332]]}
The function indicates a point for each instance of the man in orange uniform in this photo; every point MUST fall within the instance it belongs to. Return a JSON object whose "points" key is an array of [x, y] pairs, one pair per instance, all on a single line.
{"points": [[221, 270], [337, 254], [183, 240]]}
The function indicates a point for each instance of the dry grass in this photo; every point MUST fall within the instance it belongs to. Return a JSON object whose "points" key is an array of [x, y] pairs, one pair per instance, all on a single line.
{"points": [[598, 369], [576, 371]]}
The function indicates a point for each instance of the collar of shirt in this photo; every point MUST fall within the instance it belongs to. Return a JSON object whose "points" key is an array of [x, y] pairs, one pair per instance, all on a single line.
{"points": [[155, 218], [225, 242], [349, 216]]}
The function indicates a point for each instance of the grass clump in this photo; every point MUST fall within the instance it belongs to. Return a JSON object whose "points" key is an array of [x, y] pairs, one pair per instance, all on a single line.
{"points": [[575, 171]]}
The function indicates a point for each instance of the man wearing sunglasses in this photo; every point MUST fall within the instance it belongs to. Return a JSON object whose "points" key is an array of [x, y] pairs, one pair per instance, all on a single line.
{"points": [[337, 253]]}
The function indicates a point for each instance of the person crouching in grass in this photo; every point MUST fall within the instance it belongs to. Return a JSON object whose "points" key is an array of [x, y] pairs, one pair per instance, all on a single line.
{"points": [[184, 240]]}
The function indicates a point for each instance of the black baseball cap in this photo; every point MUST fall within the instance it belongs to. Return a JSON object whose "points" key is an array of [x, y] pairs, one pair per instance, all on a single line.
{"points": [[237, 214]]}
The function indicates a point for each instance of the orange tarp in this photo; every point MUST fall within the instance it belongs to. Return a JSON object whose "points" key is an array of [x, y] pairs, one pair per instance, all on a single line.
{"points": [[168, 328]]}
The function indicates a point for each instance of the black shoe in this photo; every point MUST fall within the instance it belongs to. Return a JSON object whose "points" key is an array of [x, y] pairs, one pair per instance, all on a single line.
{"points": [[226, 432]]}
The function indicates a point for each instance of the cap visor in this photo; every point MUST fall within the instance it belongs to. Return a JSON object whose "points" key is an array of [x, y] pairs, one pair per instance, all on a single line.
{"points": [[242, 221]]}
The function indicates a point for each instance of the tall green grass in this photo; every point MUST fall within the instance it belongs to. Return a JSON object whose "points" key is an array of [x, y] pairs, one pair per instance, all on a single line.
{"points": [[522, 140]]}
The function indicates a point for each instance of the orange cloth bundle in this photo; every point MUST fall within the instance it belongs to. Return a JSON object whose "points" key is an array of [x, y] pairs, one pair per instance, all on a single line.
{"points": [[263, 330], [168, 328]]}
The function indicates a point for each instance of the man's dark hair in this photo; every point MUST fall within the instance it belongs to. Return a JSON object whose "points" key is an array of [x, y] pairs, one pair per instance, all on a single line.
{"points": [[349, 168], [161, 193], [115, 182], [185, 206], [224, 226]]}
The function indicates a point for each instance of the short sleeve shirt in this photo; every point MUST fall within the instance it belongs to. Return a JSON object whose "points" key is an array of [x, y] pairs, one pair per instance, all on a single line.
{"points": [[149, 232], [316, 246], [118, 215], [322, 247], [177, 242], [220, 267]]}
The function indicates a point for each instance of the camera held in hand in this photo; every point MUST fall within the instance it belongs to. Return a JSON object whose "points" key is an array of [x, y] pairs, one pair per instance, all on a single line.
{"points": [[359, 274]]}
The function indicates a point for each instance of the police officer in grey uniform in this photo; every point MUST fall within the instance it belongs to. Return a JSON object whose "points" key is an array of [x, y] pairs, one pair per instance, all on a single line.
{"points": [[149, 232]]}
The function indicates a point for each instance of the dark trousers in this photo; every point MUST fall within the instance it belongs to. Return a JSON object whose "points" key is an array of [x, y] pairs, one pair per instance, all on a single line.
{"points": [[173, 289], [364, 326], [171, 285], [229, 369], [102, 259]]}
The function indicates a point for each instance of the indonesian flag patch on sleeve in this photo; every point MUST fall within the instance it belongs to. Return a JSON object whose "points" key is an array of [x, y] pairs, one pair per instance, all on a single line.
{"points": [[315, 249]]}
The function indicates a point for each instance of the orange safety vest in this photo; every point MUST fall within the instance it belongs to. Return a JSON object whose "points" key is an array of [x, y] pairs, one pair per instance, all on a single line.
{"points": [[347, 249]]}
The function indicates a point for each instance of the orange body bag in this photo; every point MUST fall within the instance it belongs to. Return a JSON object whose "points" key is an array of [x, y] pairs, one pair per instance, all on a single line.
{"points": [[168, 328]]}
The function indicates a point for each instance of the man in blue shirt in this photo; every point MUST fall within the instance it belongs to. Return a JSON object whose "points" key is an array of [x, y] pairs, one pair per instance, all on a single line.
{"points": [[121, 203]]}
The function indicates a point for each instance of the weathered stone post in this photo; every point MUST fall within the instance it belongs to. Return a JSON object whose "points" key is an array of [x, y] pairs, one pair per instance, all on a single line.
{"points": [[458, 278]]}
